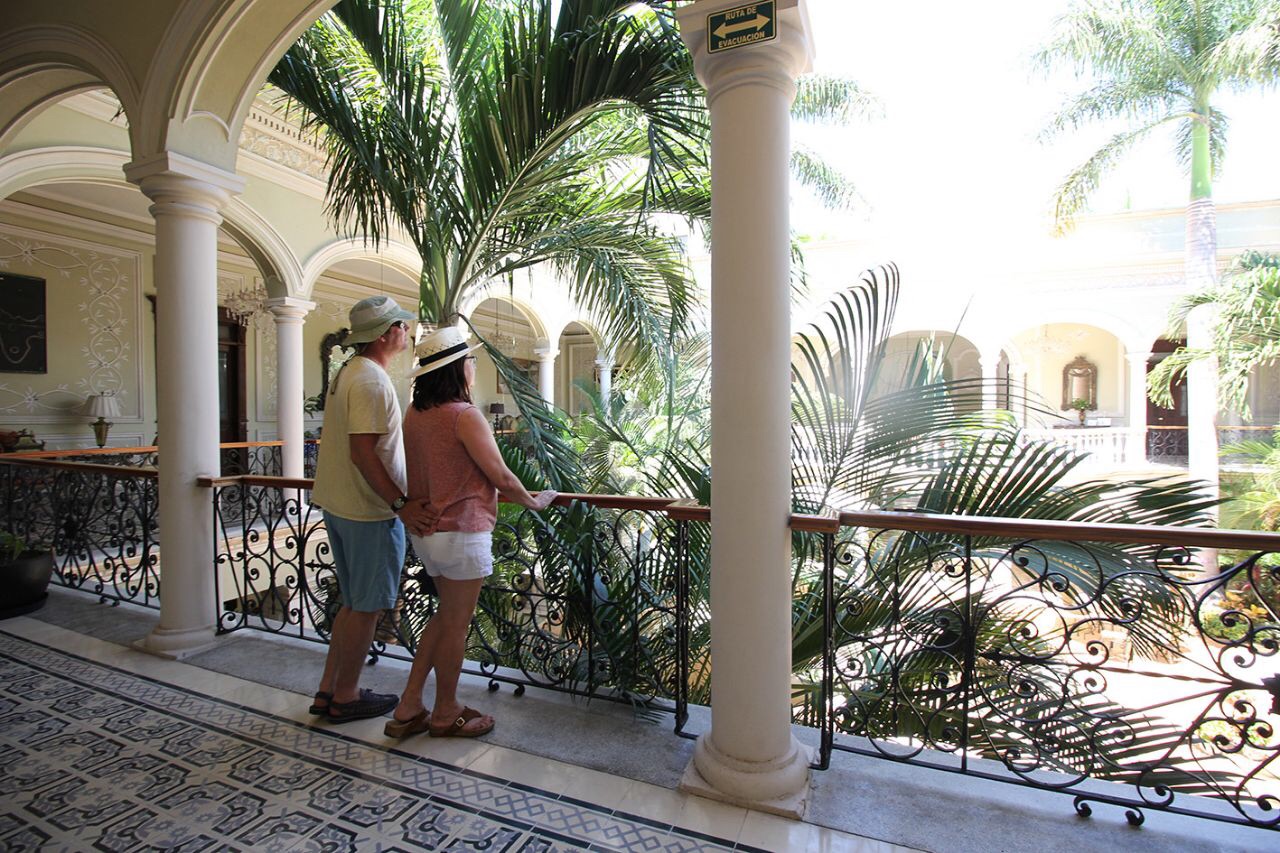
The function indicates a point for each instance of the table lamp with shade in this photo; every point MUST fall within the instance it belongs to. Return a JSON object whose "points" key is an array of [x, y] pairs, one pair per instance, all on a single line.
{"points": [[497, 410], [102, 406]]}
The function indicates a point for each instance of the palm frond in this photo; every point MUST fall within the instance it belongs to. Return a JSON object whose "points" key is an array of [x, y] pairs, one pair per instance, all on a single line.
{"points": [[837, 100], [1073, 194], [831, 186]]}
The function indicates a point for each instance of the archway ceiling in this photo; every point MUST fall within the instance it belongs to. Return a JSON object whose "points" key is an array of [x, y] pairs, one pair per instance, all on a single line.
{"points": [[370, 270], [126, 202]]}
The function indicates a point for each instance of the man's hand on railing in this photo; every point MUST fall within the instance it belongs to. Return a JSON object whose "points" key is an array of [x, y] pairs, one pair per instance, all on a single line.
{"points": [[419, 517]]}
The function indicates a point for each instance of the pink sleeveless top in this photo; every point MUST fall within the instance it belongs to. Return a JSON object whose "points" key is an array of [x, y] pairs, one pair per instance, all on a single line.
{"points": [[441, 470]]}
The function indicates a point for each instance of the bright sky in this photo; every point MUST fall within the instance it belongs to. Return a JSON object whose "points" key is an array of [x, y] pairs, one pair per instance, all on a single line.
{"points": [[956, 151]]}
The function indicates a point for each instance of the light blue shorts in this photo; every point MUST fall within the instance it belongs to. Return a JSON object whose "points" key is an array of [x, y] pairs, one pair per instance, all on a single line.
{"points": [[368, 557], [455, 554]]}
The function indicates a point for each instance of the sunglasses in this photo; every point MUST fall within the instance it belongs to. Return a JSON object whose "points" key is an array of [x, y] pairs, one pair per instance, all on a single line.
{"points": [[400, 324]]}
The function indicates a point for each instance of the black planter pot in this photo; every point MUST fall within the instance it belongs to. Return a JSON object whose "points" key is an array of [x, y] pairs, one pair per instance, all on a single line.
{"points": [[24, 583]]}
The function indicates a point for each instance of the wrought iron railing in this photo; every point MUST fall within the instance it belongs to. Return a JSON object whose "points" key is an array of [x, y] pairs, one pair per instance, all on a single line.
{"points": [[1058, 656], [1169, 444], [1100, 661], [261, 458], [99, 520], [589, 597]]}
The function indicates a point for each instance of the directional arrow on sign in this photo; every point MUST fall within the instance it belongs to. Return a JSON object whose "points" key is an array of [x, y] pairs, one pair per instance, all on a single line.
{"points": [[757, 23]]}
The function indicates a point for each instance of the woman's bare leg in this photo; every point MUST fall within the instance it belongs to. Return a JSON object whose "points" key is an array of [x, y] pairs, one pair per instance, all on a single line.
{"points": [[457, 606], [423, 661]]}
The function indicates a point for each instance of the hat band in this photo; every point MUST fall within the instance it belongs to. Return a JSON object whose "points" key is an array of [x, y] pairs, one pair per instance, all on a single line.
{"points": [[444, 353]]}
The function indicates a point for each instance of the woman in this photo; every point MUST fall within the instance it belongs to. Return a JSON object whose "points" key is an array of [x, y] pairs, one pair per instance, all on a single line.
{"points": [[454, 464]]}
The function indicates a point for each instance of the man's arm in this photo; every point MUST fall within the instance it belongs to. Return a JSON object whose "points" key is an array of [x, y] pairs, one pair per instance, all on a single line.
{"points": [[418, 516]]}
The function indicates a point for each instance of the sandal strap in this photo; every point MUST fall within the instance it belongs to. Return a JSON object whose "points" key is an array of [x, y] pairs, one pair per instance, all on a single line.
{"points": [[464, 717]]}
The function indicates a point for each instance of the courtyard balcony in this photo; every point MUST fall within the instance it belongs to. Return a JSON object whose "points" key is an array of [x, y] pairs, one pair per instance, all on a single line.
{"points": [[963, 683]]}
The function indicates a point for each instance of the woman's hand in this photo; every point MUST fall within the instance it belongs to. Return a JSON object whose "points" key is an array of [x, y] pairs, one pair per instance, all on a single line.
{"points": [[543, 499]]}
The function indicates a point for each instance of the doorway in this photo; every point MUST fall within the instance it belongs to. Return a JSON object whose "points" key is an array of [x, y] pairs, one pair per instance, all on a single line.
{"points": [[1167, 428], [233, 417]]}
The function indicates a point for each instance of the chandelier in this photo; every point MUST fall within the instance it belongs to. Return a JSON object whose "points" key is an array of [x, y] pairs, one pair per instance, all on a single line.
{"points": [[504, 342], [247, 305]]}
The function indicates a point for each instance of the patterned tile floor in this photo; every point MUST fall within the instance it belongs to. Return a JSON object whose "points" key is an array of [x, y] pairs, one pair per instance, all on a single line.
{"points": [[94, 755]]}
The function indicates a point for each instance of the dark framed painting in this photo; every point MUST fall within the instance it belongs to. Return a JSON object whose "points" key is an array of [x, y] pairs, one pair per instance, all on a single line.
{"points": [[22, 325]]}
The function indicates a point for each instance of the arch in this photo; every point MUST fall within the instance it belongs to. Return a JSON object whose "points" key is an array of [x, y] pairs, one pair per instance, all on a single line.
{"points": [[592, 327], [40, 65], [105, 166], [62, 164], [530, 314], [1131, 335], [280, 267], [398, 256], [218, 63]]}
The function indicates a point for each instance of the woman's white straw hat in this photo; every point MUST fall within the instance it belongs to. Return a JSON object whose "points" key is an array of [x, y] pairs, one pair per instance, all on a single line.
{"points": [[438, 348]]}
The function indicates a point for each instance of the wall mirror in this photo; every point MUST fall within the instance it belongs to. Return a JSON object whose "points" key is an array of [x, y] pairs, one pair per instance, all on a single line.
{"points": [[1080, 385]]}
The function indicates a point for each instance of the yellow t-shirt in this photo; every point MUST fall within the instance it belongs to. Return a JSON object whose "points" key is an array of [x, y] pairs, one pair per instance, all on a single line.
{"points": [[364, 402]]}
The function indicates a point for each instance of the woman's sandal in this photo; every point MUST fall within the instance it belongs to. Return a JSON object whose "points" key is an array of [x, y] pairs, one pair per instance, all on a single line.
{"points": [[317, 709], [416, 724], [457, 727]]}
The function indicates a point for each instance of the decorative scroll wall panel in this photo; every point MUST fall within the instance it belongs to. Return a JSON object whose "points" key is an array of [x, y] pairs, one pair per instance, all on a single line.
{"points": [[94, 319]]}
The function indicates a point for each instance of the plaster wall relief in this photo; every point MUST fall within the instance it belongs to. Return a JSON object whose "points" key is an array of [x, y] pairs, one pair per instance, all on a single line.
{"points": [[269, 133], [266, 344], [93, 317]]}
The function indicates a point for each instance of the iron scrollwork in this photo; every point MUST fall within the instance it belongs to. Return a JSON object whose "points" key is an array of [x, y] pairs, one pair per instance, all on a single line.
{"points": [[1060, 665], [582, 600]]}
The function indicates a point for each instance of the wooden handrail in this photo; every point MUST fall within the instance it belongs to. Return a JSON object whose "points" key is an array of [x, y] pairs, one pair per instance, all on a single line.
{"points": [[1065, 531], [255, 480], [83, 451], [971, 525], [623, 502], [128, 451], [144, 472]]}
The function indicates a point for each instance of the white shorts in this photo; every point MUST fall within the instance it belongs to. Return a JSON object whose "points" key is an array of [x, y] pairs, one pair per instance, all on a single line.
{"points": [[456, 555]]}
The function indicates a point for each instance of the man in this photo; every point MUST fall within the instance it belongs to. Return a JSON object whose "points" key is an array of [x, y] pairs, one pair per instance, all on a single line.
{"points": [[360, 484]]}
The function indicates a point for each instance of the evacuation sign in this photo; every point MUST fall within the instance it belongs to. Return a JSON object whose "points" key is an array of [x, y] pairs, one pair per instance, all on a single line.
{"points": [[741, 26]]}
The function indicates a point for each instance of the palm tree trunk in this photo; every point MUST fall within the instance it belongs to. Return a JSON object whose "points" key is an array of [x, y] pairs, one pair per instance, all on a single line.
{"points": [[1201, 260], [1201, 271]]}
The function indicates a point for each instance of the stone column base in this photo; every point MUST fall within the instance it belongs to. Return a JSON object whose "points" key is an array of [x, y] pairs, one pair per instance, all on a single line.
{"points": [[778, 787], [177, 645]]}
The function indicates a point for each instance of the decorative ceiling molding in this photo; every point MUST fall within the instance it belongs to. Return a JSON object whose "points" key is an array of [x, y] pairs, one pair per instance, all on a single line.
{"points": [[273, 146]]}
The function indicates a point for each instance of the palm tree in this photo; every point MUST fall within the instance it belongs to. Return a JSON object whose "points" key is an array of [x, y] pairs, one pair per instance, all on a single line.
{"points": [[1246, 333], [1162, 63], [497, 138], [503, 135], [868, 438]]}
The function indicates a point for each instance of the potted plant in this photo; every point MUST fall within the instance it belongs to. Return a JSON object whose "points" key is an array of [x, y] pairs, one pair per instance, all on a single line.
{"points": [[1081, 405], [24, 576]]}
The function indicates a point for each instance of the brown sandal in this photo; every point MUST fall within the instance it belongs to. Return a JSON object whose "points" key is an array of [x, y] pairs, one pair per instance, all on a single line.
{"points": [[416, 724], [456, 728]]}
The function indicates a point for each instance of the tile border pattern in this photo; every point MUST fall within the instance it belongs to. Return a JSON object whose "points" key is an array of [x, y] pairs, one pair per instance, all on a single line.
{"points": [[93, 755]]}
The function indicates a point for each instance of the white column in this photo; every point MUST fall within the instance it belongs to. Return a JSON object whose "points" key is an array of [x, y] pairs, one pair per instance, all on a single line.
{"points": [[546, 356], [186, 199], [290, 313], [749, 756], [1136, 449], [990, 363], [604, 366], [1202, 402]]}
